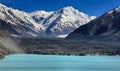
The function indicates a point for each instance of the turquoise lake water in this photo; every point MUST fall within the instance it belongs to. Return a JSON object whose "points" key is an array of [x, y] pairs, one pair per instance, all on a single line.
{"points": [[25, 62]]}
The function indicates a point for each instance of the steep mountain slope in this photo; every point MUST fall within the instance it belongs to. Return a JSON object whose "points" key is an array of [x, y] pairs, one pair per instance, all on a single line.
{"points": [[106, 25], [65, 20], [8, 45], [18, 22], [41, 23]]}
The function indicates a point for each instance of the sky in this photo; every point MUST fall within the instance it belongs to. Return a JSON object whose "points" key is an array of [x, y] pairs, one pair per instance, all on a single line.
{"points": [[90, 7]]}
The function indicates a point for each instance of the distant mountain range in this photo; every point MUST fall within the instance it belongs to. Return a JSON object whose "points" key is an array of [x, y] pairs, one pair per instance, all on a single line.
{"points": [[107, 25], [41, 23], [100, 36]]}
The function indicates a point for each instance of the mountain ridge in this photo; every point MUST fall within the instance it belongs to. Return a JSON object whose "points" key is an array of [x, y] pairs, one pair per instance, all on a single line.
{"points": [[42, 23], [106, 25]]}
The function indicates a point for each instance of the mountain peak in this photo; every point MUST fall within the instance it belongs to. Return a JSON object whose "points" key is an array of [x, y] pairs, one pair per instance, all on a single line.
{"points": [[68, 8]]}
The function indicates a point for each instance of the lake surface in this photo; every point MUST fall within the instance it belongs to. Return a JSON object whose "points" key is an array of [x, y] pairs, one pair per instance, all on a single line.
{"points": [[25, 62]]}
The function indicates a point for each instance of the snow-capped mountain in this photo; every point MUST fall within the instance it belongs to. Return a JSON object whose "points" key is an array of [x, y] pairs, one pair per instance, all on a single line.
{"points": [[42, 23], [65, 20], [106, 25], [18, 22]]}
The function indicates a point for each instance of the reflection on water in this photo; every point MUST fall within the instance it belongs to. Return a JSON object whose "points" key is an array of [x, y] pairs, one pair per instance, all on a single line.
{"points": [[25, 62]]}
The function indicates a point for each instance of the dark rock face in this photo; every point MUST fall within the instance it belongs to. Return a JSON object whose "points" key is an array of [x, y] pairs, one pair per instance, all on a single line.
{"points": [[106, 25]]}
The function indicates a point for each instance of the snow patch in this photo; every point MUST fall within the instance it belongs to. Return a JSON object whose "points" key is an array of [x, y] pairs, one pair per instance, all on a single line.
{"points": [[62, 36]]}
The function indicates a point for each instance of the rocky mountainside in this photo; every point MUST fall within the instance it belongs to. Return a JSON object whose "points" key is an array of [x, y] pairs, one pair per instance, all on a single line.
{"points": [[106, 25], [41, 23], [8, 45]]}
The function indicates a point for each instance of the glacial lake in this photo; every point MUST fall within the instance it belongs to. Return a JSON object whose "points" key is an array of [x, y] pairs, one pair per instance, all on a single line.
{"points": [[28, 62]]}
